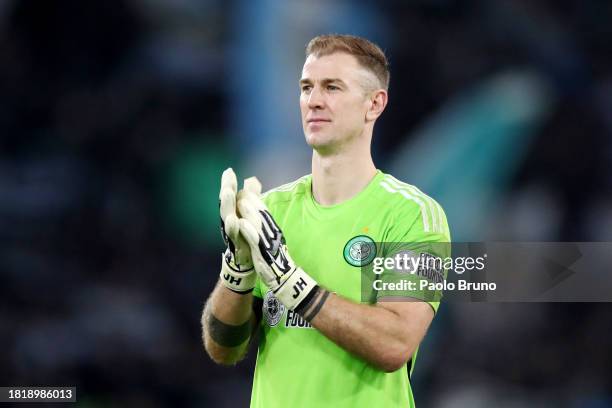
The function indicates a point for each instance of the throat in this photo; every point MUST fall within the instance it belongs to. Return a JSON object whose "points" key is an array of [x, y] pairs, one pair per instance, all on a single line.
{"points": [[340, 178]]}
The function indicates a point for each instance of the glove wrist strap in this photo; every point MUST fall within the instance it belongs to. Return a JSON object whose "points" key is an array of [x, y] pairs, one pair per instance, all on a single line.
{"points": [[295, 289], [235, 280]]}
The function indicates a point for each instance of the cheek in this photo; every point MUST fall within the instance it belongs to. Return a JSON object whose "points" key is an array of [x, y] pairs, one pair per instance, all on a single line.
{"points": [[303, 107], [356, 113]]}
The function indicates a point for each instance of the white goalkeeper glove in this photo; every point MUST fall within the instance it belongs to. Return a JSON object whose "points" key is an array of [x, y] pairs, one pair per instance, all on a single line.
{"points": [[237, 271], [290, 284]]}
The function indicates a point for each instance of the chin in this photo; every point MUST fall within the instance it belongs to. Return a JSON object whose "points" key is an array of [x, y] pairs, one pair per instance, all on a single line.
{"points": [[317, 140], [323, 146]]}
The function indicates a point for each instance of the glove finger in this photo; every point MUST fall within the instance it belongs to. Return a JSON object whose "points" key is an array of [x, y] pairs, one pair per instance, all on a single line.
{"points": [[255, 200], [251, 236], [249, 232], [264, 270], [243, 251], [232, 227], [229, 180], [253, 185], [251, 200], [227, 195], [247, 209], [227, 204]]}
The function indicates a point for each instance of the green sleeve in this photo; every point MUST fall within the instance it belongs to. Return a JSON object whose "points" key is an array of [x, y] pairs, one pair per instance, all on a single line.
{"points": [[412, 241]]}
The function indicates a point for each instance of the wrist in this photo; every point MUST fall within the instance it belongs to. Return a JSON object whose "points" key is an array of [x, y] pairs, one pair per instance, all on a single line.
{"points": [[316, 305], [306, 305]]}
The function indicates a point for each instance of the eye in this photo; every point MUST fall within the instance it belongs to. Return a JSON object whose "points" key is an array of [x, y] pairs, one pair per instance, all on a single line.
{"points": [[332, 88], [306, 88]]}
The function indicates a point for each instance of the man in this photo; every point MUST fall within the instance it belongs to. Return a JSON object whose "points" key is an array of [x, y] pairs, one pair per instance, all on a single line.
{"points": [[296, 255]]}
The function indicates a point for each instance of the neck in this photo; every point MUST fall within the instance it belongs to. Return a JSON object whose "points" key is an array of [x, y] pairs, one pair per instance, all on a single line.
{"points": [[339, 176]]}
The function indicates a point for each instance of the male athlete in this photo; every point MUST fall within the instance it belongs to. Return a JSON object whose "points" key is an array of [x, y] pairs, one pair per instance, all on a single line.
{"points": [[293, 268]]}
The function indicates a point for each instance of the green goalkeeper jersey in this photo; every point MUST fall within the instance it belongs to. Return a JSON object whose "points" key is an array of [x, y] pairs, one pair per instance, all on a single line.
{"points": [[297, 366]]}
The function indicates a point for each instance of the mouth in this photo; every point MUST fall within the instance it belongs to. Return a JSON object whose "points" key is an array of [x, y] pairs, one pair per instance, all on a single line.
{"points": [[317, 121]]}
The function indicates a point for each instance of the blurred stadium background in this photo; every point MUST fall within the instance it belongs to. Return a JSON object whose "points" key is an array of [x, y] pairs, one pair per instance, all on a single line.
{"points": [[117, 119]]}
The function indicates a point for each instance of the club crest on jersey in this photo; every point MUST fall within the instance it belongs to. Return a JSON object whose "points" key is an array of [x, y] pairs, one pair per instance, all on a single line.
{"points": [[360, 250], [272, 309]]}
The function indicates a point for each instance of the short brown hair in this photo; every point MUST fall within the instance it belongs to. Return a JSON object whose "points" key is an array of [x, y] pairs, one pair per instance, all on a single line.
{"points": [[368, 54]]}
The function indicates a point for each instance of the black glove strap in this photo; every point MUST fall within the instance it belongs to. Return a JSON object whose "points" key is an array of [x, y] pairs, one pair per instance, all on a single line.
{"points": [[317, 308], [307, 302]]}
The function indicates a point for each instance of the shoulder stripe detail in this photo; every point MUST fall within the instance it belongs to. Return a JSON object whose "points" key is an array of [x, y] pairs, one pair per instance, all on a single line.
{"points": [[434, 208], [436, 214], [409, 196], [286, 187], [439, 212], [433, 214]]}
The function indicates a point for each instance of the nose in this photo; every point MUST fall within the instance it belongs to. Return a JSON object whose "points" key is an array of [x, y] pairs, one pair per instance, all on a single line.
{"points": [[315, 99]]}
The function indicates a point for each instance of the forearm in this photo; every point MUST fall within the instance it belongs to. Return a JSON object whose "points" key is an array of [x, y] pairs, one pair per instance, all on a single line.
{"points": [[378, 335], [227, 324]]}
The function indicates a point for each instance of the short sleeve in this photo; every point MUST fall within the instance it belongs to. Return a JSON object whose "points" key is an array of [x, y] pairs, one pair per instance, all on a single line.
{"points": [[415, 250]]}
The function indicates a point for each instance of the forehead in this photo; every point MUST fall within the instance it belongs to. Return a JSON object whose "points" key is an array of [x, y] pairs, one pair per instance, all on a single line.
{"points": [[337, 65]]}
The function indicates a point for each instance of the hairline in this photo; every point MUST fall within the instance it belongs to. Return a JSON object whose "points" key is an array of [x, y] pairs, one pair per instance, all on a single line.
{"points": [[367, 85]]}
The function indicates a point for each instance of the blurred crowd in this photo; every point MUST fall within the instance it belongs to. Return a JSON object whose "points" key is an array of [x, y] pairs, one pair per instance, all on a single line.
{"points": [[116, 122]]}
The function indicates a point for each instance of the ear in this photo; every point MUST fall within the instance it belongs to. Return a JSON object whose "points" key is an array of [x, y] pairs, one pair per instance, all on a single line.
{"points": [[378, 102]]}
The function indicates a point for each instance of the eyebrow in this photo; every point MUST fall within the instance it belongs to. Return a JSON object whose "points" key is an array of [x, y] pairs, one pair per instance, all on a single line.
{"points": [[324, 81]]}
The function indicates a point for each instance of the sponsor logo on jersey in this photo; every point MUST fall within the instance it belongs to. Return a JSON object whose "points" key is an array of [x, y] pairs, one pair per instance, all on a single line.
{"points": [[431, 268], [272, 309], [295, 320], [360, 251]]}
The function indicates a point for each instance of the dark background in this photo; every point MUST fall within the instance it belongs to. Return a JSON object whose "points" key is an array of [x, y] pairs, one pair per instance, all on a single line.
{"points": [[117, 118]]}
